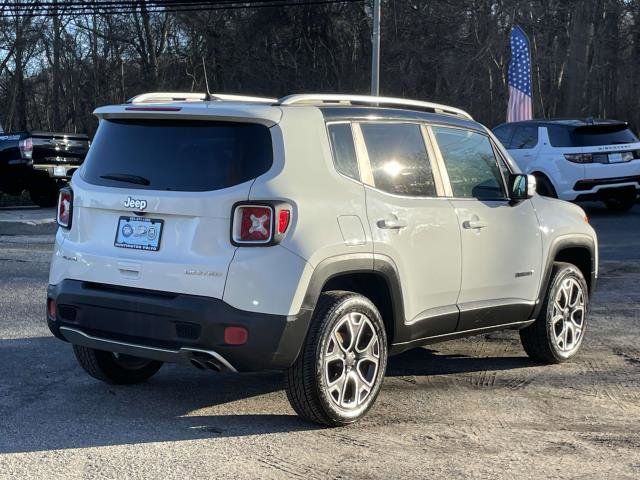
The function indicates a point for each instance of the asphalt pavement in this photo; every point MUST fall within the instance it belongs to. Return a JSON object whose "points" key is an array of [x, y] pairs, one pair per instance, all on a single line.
{"points": [[472, 408]]}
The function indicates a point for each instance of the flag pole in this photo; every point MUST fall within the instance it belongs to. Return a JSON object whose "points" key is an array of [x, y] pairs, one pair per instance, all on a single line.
{"points": [[375, 60]]}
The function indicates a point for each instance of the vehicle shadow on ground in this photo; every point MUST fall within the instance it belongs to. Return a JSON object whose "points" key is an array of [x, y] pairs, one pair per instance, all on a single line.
{"points": [[427, 362], [599, 210], [48, 403]]}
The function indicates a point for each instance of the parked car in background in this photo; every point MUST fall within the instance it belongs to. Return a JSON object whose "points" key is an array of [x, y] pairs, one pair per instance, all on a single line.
{"points": [[39, 162], [316, 234], [578, 160]]}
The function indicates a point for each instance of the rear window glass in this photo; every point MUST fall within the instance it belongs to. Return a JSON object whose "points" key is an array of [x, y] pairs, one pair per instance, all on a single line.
{"points": [[177, 155], [590, 135], [503, 133], [344, 151]]}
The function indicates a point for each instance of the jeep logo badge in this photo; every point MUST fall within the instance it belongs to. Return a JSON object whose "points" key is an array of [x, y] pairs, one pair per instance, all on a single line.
{"points": [[136, 204]]}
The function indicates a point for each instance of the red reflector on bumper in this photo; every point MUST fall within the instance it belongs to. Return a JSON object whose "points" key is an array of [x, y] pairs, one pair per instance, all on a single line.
{"points": [[51, 308], [235, 335]]}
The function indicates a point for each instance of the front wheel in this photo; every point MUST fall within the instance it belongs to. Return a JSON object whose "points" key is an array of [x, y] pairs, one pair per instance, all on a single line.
{"points": [[544, 187], [115, 368], [558, 332], [341, 367]]}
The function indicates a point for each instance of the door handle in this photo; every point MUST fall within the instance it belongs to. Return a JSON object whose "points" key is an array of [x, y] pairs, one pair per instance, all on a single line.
{"points": [[474, 224], [392, 223]]}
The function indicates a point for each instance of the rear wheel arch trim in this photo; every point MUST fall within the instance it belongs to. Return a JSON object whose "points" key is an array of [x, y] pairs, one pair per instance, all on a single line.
{"points": [[353, 264]]}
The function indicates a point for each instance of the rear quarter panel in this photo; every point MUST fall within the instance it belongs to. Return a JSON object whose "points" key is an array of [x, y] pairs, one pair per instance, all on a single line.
{"points": [[328, 217], [304, 176]]}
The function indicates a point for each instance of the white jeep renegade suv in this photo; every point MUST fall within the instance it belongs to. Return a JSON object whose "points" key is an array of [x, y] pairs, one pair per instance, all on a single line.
{"points": [[316, 234], [577, 160]]}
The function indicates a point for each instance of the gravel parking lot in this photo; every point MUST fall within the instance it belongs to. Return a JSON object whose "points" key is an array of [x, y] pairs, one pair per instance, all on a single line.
{"points": [[474, 408]]}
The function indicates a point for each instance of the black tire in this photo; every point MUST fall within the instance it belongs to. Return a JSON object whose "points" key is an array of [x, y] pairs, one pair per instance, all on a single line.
{"points": [[544, 186], [306, 384], [538, 338], [44, 192], [622, 202], [116, 370]]}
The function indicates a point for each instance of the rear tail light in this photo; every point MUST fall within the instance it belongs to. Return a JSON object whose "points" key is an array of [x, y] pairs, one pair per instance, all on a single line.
{"points": [[26, 148], [259, 224], [65, 208], [284, 217], [154, 109], [579, 157], [253, 224]]}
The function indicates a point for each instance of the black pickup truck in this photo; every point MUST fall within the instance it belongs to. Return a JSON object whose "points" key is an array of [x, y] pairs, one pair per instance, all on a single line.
{"points": [[39, 162]]}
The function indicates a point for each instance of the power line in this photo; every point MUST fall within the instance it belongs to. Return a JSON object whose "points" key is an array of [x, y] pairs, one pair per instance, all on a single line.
{"points": [[40, 9]]}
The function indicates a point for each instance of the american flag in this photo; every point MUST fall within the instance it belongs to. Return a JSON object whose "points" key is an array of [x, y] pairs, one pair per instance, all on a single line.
{"points": [[520, 102]]}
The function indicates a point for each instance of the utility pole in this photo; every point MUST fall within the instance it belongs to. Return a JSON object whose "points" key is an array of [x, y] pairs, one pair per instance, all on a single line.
{"points": [[375, 60]]}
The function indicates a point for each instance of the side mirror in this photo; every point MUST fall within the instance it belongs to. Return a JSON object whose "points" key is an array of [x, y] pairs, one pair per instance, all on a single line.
{"points": [[521, 186]]}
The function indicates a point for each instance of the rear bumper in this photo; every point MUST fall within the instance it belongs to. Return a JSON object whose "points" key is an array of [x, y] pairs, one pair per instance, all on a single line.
{"points": [[603, 188], [62, 171], [172, 327]]}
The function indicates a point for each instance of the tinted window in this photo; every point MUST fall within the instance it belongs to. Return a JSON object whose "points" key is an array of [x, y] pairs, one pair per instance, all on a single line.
{"points": [[524, 137], [471, 163], [590, 135], [503, 133], [399, 160], [344, 151], [177, 155]]}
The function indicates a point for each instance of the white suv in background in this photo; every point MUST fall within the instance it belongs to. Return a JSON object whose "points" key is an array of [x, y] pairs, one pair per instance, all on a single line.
{"points": [[577, 160], [315, 234]]}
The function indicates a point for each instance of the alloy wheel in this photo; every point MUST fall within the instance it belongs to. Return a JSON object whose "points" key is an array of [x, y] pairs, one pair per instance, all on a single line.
{"points": [[351, 360], [568, 313]]}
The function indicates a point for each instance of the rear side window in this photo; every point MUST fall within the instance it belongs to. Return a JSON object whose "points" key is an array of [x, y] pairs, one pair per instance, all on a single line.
{"points": [[524, 137], [399, 160], [177, 155], [503, 133], [471, 164], [590, 135], [344, 150]]}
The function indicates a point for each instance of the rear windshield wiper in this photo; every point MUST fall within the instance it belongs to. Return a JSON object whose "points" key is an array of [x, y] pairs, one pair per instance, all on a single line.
{"points": [[124, 177]]}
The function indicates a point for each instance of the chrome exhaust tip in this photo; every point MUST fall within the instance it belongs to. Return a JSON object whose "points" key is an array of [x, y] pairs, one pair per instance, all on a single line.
{"points": [[197, 363], [208, 359], [214, 366]]}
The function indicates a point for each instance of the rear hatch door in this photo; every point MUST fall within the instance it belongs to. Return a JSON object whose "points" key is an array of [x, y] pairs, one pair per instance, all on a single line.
{"points": [[615, 150], [153, 202]]}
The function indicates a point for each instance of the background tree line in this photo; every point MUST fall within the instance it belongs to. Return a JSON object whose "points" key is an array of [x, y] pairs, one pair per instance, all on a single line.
{"points": [[55, 69]]}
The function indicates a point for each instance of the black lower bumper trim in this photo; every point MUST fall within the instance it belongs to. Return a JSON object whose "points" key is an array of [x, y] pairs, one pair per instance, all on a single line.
{"points": [[582, 185], [171, 322]]}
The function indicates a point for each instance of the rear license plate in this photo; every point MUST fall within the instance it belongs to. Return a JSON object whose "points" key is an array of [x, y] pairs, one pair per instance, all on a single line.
{"points": [[59, 171], [139, 233], [615, 158]]}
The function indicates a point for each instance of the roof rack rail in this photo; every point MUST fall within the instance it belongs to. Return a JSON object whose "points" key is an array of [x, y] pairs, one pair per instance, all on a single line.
{"points": [[315, 98], [161, 97]]}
